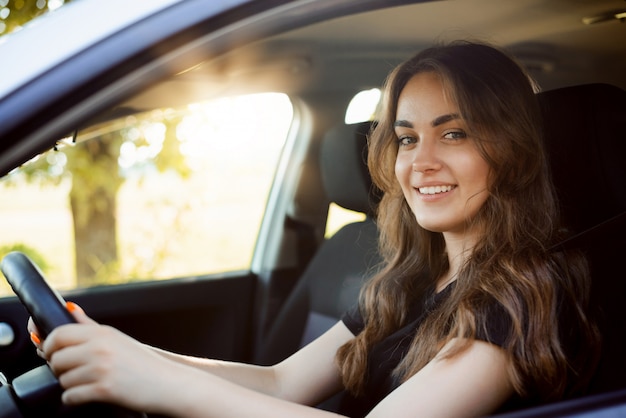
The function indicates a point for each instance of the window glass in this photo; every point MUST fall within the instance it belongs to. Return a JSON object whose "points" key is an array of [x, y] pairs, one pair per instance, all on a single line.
{"points": [[338, 217], [163, 194], [363, 105]]}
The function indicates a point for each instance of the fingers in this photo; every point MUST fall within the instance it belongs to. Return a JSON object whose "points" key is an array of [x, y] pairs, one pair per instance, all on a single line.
{"points": [[85, 393], [38, 345], [78, 369], [83, 381], [32, 328], [35, 337], [96, 363], [66, 336], [71, 346], [33, 331], [79, 314]]}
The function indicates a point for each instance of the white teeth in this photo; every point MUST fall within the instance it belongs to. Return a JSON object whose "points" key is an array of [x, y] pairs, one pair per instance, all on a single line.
{"points": [[435, 189]]}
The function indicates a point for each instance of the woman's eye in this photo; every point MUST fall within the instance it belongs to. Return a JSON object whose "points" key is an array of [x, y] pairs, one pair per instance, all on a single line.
{"points": [[405, 140], [455, 135]]}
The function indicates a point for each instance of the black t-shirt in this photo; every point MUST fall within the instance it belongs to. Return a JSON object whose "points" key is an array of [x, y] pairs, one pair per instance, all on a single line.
{"points": [[387, 354]]}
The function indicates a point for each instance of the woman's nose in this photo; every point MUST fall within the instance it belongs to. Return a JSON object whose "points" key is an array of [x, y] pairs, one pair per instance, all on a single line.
{"points": [[426, 158]]}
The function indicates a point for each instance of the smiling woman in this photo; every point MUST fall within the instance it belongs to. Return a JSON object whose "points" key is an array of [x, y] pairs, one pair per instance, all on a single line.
{"points": [[465, 245], [439, 168]]}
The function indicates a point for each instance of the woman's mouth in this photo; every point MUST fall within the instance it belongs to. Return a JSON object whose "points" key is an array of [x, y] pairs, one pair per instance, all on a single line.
{"points": [[432, 190]]}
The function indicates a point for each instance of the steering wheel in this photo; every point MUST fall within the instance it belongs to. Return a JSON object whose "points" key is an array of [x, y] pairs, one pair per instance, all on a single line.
{"points": [[37, 392]]}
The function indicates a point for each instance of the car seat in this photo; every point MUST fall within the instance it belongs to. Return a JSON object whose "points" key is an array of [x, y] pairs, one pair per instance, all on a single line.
{"points": [[332, 280], [586, 140], [585, 133]]}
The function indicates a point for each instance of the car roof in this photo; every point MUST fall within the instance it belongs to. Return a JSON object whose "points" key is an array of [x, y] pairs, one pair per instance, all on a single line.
{"points": [[299, 47], [67, 31], [553, 39]]}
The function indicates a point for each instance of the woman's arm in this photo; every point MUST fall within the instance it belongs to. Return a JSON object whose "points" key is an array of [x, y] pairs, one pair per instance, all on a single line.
{"points": [[473, 383], [98, 363], [283, 380], [307, 377]]}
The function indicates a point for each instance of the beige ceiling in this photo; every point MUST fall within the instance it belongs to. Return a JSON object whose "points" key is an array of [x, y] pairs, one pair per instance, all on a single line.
{"points": [[357, 51]]}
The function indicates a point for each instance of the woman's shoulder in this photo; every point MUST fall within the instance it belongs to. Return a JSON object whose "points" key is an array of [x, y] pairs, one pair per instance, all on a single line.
{"points": [[496, 324], [353, 319]]}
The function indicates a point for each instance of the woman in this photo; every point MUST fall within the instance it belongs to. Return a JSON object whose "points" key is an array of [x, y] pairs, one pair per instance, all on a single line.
{"points": [[470, 312], [473, 156]]}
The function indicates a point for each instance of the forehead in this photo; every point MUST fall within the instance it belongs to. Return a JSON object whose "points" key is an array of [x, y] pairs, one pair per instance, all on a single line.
{"points": [[424, 97]]}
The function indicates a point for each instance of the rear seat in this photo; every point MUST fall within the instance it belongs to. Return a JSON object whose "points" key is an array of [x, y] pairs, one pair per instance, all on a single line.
{"points": [[332, 280]]}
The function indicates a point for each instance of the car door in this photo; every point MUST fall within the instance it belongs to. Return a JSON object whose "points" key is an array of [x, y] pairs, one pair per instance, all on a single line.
{"points": [[166, 245]]}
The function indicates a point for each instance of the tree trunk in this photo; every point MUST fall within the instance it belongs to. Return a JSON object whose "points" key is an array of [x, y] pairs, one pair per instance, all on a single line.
{"points": [[96, 240], [93, 202]]}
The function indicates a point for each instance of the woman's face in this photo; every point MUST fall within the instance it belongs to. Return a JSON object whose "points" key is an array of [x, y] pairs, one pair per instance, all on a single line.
{"points": [[442, 174]]}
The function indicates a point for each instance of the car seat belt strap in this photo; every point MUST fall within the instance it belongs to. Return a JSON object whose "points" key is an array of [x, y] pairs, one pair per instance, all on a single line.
{"points": [[582, 240]]}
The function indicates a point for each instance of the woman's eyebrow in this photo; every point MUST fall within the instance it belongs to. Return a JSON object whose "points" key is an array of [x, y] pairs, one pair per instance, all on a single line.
{"points": [[402, 124], [440, 120]]}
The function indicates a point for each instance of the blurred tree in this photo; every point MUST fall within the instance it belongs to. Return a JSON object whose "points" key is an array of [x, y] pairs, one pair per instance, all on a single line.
{"points": [[95, 182], [15, 13], [93, 167]]}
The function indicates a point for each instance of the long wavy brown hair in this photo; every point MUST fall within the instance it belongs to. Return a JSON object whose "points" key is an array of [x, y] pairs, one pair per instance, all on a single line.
{"points": [[511, 264]]}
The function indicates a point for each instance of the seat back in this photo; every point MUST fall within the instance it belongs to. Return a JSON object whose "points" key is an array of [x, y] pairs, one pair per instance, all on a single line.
{"points": [[585, 130], [331, 282]]}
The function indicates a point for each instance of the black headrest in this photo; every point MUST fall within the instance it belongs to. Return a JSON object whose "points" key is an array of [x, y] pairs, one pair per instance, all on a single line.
{"points": [[343, 162], [585, 129]]}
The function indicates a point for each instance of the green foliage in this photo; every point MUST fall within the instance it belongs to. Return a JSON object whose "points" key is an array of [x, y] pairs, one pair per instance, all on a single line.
{"points": [[15, 13], [32, 253], [97, 168]]}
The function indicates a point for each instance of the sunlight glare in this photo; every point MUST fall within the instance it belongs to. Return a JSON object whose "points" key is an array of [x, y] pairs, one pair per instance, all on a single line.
{"points": [[55, 4], [253, 123], [363, 106]]}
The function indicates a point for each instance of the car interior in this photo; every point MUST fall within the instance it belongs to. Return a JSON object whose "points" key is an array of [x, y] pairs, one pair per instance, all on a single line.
{"points": [[583, 152], [300, 282]]}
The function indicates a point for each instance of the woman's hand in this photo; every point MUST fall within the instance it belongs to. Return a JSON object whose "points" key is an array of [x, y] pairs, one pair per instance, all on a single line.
{"points": [[35, 336], [97, 363]]}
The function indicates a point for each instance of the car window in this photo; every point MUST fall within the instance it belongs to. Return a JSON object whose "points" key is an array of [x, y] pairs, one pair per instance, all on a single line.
{"points": [[156, 195], [339, 217], [363, 106]]}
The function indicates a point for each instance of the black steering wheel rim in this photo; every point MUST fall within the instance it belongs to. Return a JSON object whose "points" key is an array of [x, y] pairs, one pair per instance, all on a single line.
{"points": [[43, 303], [38, 391]]}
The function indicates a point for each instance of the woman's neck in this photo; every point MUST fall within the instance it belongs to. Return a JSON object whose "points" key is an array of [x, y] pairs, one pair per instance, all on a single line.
{"points": [[458, 250]]}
